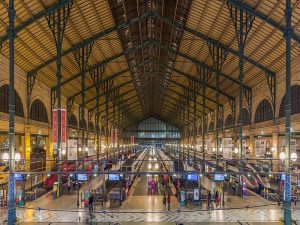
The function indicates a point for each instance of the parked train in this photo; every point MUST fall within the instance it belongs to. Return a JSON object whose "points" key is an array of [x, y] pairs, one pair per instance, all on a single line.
{"points": [[67, 169], [261, 178]]}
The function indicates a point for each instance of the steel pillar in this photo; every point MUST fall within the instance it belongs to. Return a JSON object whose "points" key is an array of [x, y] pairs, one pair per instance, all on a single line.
{"points": [[106, 88], [11, 181], [204, 76], [97, 76], [30, 85], [242, 22], [81, 56], [272, 88], [287, 186], [218, 56], [57, 22]]}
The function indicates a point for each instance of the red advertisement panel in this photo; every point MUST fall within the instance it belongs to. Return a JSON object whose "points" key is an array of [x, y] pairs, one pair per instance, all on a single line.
{"points": [[54, 128], [63, 129]]}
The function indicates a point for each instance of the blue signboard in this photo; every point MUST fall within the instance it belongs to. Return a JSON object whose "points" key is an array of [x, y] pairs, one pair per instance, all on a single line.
{"points": [[18, 177], [192, 177], [219, 177], [113, 177], [82, 177]]}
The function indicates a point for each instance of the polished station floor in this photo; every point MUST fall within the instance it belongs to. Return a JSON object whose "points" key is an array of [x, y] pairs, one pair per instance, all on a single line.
{"points": [[143, 206]]}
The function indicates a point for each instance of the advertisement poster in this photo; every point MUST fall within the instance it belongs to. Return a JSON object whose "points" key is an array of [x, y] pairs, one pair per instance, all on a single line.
{"points": [[54, 128], [209, 146], [63, 129], [91, 148], [227, 148], [72, 149], [196, 194], [260, 147]]}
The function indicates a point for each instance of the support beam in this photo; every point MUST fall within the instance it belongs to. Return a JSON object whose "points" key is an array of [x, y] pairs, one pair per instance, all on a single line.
{"points": [[57, 22], [113, 76], [87, 41], [181, 95], [11, 212], [242, 22], [198, 63], [120, 96], [218, 56], [288, 109], [37, 17], [192, 78], [212, 41], [104, 93], [188, 88], [266, 18], [104, 62]]}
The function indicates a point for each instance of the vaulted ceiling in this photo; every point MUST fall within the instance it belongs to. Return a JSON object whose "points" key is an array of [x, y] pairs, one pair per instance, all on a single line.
{"points": [[152, 52]]}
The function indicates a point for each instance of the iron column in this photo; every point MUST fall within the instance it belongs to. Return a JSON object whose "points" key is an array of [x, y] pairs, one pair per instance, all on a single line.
{"points": [[287, 186], [11, 182]]}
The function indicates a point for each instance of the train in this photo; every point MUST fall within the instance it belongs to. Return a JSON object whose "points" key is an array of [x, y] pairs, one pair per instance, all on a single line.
{"points": [[69, 167], [132, 166], [261, 178]]}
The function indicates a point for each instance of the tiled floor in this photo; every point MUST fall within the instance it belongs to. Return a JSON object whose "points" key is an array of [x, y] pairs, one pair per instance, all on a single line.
{"points": [[143, 208]]}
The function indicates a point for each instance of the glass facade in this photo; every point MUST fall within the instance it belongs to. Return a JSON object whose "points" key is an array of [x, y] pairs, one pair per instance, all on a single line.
{"points": [[153, 128]]}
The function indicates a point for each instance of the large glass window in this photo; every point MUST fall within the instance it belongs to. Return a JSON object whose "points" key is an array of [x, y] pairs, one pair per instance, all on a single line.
{"points": [[153, 128], [295, 92], [38, 111], [72, 121], [246, 117], [263, 112], [229, 121], [4, 100]]}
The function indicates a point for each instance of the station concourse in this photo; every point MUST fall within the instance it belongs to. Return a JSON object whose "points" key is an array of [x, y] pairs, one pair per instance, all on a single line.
{"points": [[150, 112]]}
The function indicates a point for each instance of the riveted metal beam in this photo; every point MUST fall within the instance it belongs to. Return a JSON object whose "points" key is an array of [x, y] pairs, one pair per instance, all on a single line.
{"points": [[88, 41], [190, 77], [213, 42], [104, 93], [37, 17], [185, 87], [266, 18], [198, 63], [104, 62]]}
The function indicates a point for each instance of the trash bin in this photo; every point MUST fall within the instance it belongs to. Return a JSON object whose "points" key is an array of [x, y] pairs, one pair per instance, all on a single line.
{"points": [[57, 190]]}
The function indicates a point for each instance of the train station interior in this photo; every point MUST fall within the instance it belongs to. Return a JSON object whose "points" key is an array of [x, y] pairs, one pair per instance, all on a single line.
{"points": [[139, 112]]}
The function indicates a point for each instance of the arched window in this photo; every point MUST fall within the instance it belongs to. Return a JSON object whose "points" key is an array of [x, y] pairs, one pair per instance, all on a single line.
{"points": [[295, 101], [263, 112], [229, 122], [72, 121], [4, 100], [38, 111], [82, 125], [91, 126], [205, 125], [97, 128], [219, 123], [246, 117], [211, 126]]}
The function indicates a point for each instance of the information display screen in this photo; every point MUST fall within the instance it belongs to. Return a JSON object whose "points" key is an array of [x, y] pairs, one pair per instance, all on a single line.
{"points": [[219, 177], [192, 177], [82, 177], [18, 177], [114, 177]]}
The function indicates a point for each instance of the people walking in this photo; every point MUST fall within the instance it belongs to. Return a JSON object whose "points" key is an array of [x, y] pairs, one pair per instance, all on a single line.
{"points": [[208, 199], [169, 201], [164, 201], [91, 203]]}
